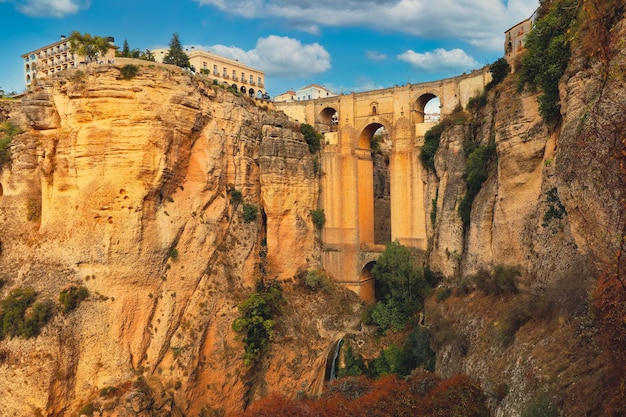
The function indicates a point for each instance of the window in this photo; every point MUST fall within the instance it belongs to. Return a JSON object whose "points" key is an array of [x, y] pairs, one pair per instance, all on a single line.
{"points": [[204, 65], [260, 83], [235, 75], [224, 72], [251, 79], [215, 72], [243, 77]]}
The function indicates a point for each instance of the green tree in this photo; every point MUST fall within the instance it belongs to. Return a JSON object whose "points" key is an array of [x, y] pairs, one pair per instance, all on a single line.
{"points": [[313, 138], [147, 56], [91, 47], [125, 50], [176, 55], [499, 70], [401, 288]]}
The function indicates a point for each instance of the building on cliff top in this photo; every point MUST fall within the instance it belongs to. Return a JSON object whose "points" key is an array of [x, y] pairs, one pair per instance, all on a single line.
{"points": [[310, 92], [241, 77], [55, 57], [514, 38]]}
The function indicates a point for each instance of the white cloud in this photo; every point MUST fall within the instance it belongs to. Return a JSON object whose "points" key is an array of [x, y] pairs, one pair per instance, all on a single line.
{"points": [[439, 60], [280, 56], [477, 22], [49, 8], [376, 56]]}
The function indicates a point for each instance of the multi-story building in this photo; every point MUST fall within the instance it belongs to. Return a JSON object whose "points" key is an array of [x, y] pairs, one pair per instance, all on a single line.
{"points": [[55, 57], [243, 78], [310, 92], [515, 36]]}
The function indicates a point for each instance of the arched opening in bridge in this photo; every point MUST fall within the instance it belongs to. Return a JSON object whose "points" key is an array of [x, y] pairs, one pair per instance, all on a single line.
{"points": [[328, 120], [427, 109], [374, 186], [368, 284]]}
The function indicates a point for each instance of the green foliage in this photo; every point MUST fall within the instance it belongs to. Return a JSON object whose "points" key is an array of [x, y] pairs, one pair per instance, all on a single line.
{"points": [[433, 211], [250, 212], [353, 363], [443, 294], [8, 130], [319, 218], [476, 170], [173, 253], [431, 144], [401, 288], [20, 316], [317, 280], [499, 70], [556, 210], [176, 55], [129, 71], [540, 407], [256, 319], [501, 281], [87, 409], [91, 47], [106, 391], [477, 102], [71, 297], [548, 52], [236, 197], [513, 320], [313, 138]]}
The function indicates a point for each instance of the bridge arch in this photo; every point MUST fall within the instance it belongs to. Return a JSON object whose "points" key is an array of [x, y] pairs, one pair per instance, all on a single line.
{"points": [[327, 120], [420, 106]]}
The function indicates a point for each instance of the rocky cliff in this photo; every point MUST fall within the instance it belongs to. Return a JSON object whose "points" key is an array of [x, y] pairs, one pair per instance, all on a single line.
{"points": [[141, 191], [134, 189]]}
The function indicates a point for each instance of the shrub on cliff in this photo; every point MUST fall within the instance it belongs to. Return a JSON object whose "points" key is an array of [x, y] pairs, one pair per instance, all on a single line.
{"points": [[7, 131], [313, 138], [249, 212], [129, 71], [20, 316], [402, 288], [476, 170], [71, 297], [256, 319], [499, 70], [319, 218]]}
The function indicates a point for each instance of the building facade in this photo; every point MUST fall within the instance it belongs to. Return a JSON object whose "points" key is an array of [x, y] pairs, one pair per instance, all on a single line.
{"points": [[310, 92], [514, 38], [55, 57], [241, 77]]}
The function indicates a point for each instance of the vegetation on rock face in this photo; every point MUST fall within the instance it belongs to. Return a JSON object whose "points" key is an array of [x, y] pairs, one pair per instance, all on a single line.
{"points": [[20, 316], [431, 144], [126, 52], [8, 131], [548, 53], [312, 137], [91, 47], [476, 170], [499, 70], [256, 319], [249, 212], [176, 55], [402, 288], [129, 71], [422, 394], [319, 218], [71, 297]]}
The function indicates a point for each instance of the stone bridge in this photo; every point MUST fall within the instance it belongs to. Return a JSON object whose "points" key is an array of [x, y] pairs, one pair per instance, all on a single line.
{"points": [[364, 211]]}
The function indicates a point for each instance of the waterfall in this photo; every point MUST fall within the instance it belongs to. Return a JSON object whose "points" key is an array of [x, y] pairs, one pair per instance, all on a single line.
{"points": [[332, 372]]}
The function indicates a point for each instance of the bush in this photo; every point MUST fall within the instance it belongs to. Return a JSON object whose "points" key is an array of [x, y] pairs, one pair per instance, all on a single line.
{"points": [[8, 131], [173, 253], [317, 280], [249, 213], [556, 210], [443, 294], [313, 138], [319, 218], [540, 407], [476, 171], [129, 71], [402, 288], [236, 197], [501, 281], [499, 70], [18, 318], [256, 315], [431, 144], [70, 298], [508, 326]]}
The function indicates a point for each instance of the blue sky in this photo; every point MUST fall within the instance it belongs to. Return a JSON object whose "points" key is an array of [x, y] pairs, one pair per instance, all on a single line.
{"points": [[345, 45]]}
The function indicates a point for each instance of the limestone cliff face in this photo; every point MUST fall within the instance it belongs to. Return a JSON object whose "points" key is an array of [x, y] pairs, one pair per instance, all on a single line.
{"points": [[128, 185], [576, 168]]}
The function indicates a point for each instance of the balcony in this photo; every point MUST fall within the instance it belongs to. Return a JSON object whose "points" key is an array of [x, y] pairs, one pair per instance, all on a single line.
{"points": [[252, 83], [216, 73], [235, 78]]}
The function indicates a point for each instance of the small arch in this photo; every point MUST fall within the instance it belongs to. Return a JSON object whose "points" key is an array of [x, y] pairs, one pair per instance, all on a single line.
{"points": [[368, 283], [251, 92], [328, 120], [365, 139], [427, 108], [243, 89], [234, 87], [509, 48]]}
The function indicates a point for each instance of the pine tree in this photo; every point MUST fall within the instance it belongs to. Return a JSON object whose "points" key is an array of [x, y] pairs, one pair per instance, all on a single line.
{"points": [[176, 55], [125, 49]]}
